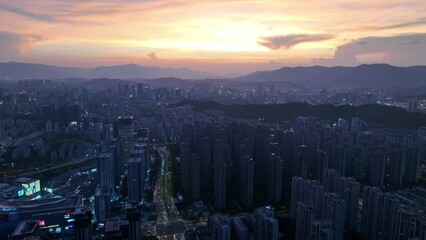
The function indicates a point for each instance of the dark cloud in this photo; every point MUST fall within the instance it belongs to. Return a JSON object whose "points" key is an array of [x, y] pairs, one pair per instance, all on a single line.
{"points": [[288, 41], [420, 21], [417, 22], [152, 55], [36, 16], [402, 50], [14, 46]]}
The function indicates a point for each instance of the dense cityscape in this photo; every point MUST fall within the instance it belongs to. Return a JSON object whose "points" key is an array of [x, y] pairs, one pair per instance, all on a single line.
{"points": [[126, 160]]}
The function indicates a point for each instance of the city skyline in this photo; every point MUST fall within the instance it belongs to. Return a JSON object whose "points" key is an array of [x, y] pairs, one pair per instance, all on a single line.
{"points": [[216, 36]]}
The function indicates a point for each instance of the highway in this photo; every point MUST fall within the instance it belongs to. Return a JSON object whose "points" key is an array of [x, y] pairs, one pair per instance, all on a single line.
{"points": [[169, 224], [159, 192], [35, 171]]}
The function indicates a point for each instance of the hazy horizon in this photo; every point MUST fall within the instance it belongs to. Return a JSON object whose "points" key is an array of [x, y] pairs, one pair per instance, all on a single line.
{"points": [[222, 37]]}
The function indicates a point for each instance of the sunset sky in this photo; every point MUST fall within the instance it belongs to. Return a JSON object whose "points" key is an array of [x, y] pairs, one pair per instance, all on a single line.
{"points": [[220, 36]]}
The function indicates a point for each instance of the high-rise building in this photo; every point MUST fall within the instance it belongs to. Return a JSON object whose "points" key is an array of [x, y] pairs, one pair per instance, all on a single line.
{"points": [[286, 140], [320, 230], [377, 168], [396, 167], [56, 127], [136, 179], [410, 141], [331, 181], [102, 203], [246, 181], [266, 225], [219, 227], [106, 170], [195, 176], [305, 214], [2, 131], [206, 166], [350, 192], [126, 133], [384, 216], [185, 167], [83, 223], [391, 139], [371, 208], [118, 157], [49, 127], [412, 161], [359, 162], [299, 164], [309, 192], [314, 194], [320, 164], [221, 154], [275, 173], [142, 147], [356, 125], [391, 204], [408, 224], [261, 152], [240, 229], [339, 158], [133, 215], [334, 209], [342, 124], [297, 194]]}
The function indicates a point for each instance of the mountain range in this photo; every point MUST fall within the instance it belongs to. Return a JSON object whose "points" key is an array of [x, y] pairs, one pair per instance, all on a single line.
{"points": [[362, 75], [16, 70], [374, 75]]}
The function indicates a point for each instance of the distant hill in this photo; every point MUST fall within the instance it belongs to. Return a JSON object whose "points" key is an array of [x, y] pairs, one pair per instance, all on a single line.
{"points": [[148, 72], [16, 70], [363, 75], [374, 113], [375, 75]]}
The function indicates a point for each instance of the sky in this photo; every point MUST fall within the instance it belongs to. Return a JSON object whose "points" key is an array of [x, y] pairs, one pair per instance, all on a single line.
{"points": [[221, 36]]}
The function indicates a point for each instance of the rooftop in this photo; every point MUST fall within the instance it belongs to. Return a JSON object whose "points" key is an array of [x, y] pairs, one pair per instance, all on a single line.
{"points": [[102, 191], [134, 160], [105, 155], [25, 180], [132, 205], [113, 224], [41, 204], [25, 227], [126, 117]]}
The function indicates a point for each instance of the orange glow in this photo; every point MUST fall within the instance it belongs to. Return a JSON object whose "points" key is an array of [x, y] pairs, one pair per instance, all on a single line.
{"points": [[217, 31]]}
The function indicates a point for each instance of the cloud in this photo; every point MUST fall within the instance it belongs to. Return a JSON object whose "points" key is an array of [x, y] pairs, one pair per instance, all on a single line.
{"points": [[402, 50], [152, 55], [15, 46], [418, 22], [36, 16], [289, 41]]}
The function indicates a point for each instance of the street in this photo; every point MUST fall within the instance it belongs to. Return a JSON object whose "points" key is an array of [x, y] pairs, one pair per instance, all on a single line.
{"points": [[169, 225]]}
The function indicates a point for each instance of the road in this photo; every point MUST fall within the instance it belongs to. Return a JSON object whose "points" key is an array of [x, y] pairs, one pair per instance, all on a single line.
{"points": [[159, 192], [35, 171], [169, 224]]}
